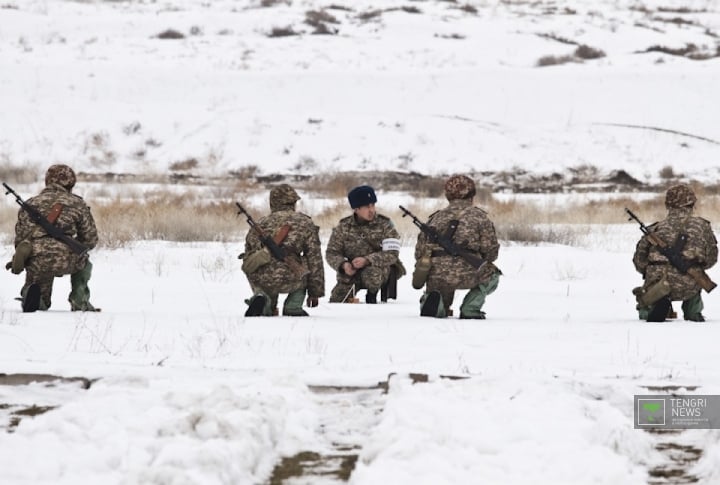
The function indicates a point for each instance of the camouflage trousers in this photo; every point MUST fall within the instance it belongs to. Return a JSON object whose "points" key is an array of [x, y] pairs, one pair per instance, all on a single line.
{"points": [[473, 302], [79, 297], [691, 308], [371, 278]]}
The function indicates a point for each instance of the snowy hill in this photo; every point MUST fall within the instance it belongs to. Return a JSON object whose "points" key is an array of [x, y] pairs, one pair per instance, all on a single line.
{"points": [[216, 87]]}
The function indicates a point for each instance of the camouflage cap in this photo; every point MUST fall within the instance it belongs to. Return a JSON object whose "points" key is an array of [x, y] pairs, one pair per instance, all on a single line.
{"points": [[282, 196], [61, 175], [459, 187], [680, 195]]}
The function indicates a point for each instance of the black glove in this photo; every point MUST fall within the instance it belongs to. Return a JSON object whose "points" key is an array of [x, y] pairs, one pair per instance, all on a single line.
{"points": [[312, 302]]}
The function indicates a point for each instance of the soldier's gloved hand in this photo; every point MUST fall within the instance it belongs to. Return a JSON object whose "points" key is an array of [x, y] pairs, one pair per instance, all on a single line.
{"points": [[312, 302], [8, 266]]}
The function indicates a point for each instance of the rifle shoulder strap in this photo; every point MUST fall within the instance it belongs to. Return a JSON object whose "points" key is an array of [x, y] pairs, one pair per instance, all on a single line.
{"points": [[54, 213]]}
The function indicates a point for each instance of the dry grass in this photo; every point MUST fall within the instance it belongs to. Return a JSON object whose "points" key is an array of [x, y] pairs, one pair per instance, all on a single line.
{"points": [[185, 218]]}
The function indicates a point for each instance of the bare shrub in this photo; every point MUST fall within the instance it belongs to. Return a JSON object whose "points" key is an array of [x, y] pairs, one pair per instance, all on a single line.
{"points": [[245, 172], [188, 164], [667, 172], [587, 52], [170, 34], [468, 8], [282, 32], [554, 60], [317, 17], [370, 14]]}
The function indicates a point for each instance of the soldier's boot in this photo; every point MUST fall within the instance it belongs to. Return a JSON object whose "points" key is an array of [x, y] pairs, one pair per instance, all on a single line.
{"points": [[371, 297], [293, 304], [259, 305], [22, 254], [431, 305], [79, 297], [389, 288], [659, 311], [471, 307], [691, 309], [31, 298]]}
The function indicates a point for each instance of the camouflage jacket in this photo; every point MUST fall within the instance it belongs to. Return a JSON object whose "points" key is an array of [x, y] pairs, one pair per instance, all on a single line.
{"points": [[352, 238], [475, 233], [700, 248], [75, 220], [302, 243]]}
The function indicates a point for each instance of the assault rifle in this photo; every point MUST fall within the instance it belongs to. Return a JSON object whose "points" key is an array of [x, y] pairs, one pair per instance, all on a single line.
{"points": [[52, 230], [674, 255], [445, 241], [276, 250]]}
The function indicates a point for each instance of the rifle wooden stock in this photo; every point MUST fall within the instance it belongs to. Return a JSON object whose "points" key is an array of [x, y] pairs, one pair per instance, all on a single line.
{"points": [[701, 278]]}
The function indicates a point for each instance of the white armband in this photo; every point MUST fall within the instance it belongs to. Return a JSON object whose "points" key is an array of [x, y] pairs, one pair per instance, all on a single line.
{"points": [[391, 244]]}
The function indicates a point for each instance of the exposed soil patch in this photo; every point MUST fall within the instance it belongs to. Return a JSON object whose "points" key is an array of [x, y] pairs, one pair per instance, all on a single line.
{"points": [[25, 379], [682, 457], [348, 415], [14, 413]]}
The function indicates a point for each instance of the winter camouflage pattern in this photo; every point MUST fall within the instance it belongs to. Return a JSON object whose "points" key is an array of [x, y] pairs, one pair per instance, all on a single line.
{"points": [[352, 238], [302, 243], [680, 195], [282, 196], [476, 233], [459, 187], [50, 257], [700, 248], [61, 175]]}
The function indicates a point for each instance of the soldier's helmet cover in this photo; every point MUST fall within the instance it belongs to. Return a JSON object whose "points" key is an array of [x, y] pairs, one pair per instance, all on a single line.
{"points": [[282, 196], [680, 195], [459, 187], [60, 174]]}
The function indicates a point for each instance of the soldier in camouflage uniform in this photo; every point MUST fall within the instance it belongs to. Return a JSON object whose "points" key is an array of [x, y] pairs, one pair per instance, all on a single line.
{"points": [[663, 282], [445, 273], [363, 249], [42, 257], [269, 276]]}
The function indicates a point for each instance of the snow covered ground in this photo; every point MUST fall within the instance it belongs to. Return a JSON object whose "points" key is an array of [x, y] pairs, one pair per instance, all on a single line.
{"points": [[190, 391], [184, 390]]}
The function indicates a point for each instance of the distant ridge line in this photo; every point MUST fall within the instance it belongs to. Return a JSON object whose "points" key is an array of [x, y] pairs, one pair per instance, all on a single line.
{"points": [[664, 130]]}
